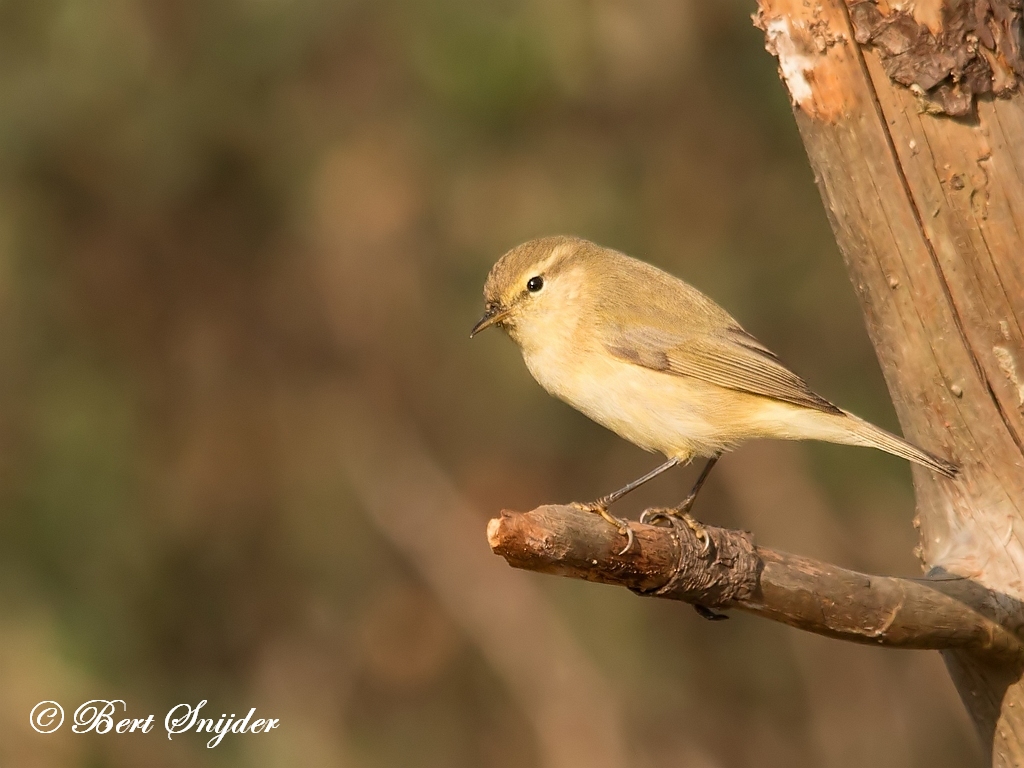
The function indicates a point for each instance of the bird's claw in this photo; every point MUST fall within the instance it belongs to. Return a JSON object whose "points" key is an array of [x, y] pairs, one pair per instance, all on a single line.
{"points": [[623, 525], [653, 516], [630, 538], [698, 530]]}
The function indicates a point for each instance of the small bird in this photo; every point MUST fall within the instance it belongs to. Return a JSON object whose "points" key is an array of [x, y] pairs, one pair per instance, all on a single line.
{"points": [[657, 362]]}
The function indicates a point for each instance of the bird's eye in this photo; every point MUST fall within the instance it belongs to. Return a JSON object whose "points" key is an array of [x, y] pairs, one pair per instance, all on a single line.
{"points": [[534, 284]]}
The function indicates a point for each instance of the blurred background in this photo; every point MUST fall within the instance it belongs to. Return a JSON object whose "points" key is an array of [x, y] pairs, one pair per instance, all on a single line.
{"points": [[248, 452]]}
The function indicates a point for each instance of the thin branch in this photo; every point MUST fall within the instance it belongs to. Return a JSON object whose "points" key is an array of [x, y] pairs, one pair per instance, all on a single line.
{"points": [[927, 613]]}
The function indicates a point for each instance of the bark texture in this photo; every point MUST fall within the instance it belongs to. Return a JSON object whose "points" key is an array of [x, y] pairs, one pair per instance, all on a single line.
{"points": [[929, 214], [940, 612], [947, 54]]}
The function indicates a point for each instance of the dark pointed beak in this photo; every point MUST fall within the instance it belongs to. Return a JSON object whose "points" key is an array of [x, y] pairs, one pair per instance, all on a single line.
{"points": [[494, 314]]}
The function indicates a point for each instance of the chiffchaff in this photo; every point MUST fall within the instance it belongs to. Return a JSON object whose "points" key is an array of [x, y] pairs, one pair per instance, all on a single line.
{"points": [[657, 362]]}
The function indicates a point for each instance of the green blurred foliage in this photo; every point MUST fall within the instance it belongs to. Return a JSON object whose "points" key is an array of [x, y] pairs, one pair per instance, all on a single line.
{"points": [[218, 217]]}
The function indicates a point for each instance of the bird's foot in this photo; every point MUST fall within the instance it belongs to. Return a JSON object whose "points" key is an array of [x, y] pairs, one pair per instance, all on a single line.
{"points": [[600, 507], [698, 530], [652, 516], [655, 515]]}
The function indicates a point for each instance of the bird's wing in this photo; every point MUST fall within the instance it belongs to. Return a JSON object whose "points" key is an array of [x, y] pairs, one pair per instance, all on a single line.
{"points": [[728, 357]]}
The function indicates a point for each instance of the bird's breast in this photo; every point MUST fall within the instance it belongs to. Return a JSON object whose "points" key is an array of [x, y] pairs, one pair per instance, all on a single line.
{"points": [[657, 411]]}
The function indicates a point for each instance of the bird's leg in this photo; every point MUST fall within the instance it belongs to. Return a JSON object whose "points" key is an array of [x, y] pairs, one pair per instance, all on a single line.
{"points": [[601, 505], [683, 510], [687, 504], [611, 498]]}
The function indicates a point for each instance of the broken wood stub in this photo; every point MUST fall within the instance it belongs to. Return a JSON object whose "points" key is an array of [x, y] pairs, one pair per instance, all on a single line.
{"points": [[947, 54]]}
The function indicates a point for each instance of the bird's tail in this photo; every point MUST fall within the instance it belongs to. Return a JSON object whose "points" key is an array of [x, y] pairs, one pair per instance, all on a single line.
{"points": [[864, 433]]}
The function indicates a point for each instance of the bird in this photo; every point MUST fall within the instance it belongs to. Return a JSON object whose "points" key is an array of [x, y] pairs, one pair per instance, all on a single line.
{"points": [[654, 360]]}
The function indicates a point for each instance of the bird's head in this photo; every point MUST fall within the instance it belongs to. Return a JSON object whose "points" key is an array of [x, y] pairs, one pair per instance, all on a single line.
{"points": [[535, 282]]}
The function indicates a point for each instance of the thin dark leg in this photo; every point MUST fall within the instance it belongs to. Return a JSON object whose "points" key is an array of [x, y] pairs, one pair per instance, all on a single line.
{"points": [[684, 508], [601, 505], [682, 512], [606, 501]]}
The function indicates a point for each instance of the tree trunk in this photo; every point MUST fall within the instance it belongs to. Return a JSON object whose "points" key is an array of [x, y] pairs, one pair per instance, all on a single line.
{"points": [[928, 211]]}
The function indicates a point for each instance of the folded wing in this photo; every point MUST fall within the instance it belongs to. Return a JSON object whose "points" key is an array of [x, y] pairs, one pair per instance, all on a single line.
{"points": [[728, 357]]}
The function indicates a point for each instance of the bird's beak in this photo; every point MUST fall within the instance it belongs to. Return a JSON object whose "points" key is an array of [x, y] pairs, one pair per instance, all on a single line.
{"points": [[494, 313]]}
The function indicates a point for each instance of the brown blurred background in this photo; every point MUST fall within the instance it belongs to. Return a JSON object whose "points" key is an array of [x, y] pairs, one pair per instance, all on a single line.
{"points": [[248, 453]]}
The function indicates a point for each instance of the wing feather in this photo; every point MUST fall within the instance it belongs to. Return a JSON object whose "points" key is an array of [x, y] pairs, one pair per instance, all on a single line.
{"points": [[729, 358]]}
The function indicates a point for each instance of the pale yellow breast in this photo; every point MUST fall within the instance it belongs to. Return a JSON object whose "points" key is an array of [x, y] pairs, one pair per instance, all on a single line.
{"points": [[659, 412]]}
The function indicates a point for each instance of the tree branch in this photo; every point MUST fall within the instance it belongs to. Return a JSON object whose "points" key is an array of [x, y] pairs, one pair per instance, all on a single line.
{"points": [[929, 613]]}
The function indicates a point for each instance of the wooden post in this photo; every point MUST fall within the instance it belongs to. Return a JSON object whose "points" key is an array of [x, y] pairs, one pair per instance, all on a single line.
{"points": [[928, 211]]}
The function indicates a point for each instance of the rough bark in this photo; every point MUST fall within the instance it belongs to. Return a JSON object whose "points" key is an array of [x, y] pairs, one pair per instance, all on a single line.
{"points": [[929, 214], [941, 612], [947, 54]]}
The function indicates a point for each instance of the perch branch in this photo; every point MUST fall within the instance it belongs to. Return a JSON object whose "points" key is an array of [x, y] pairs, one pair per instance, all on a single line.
{"points": [[926, 613]]}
